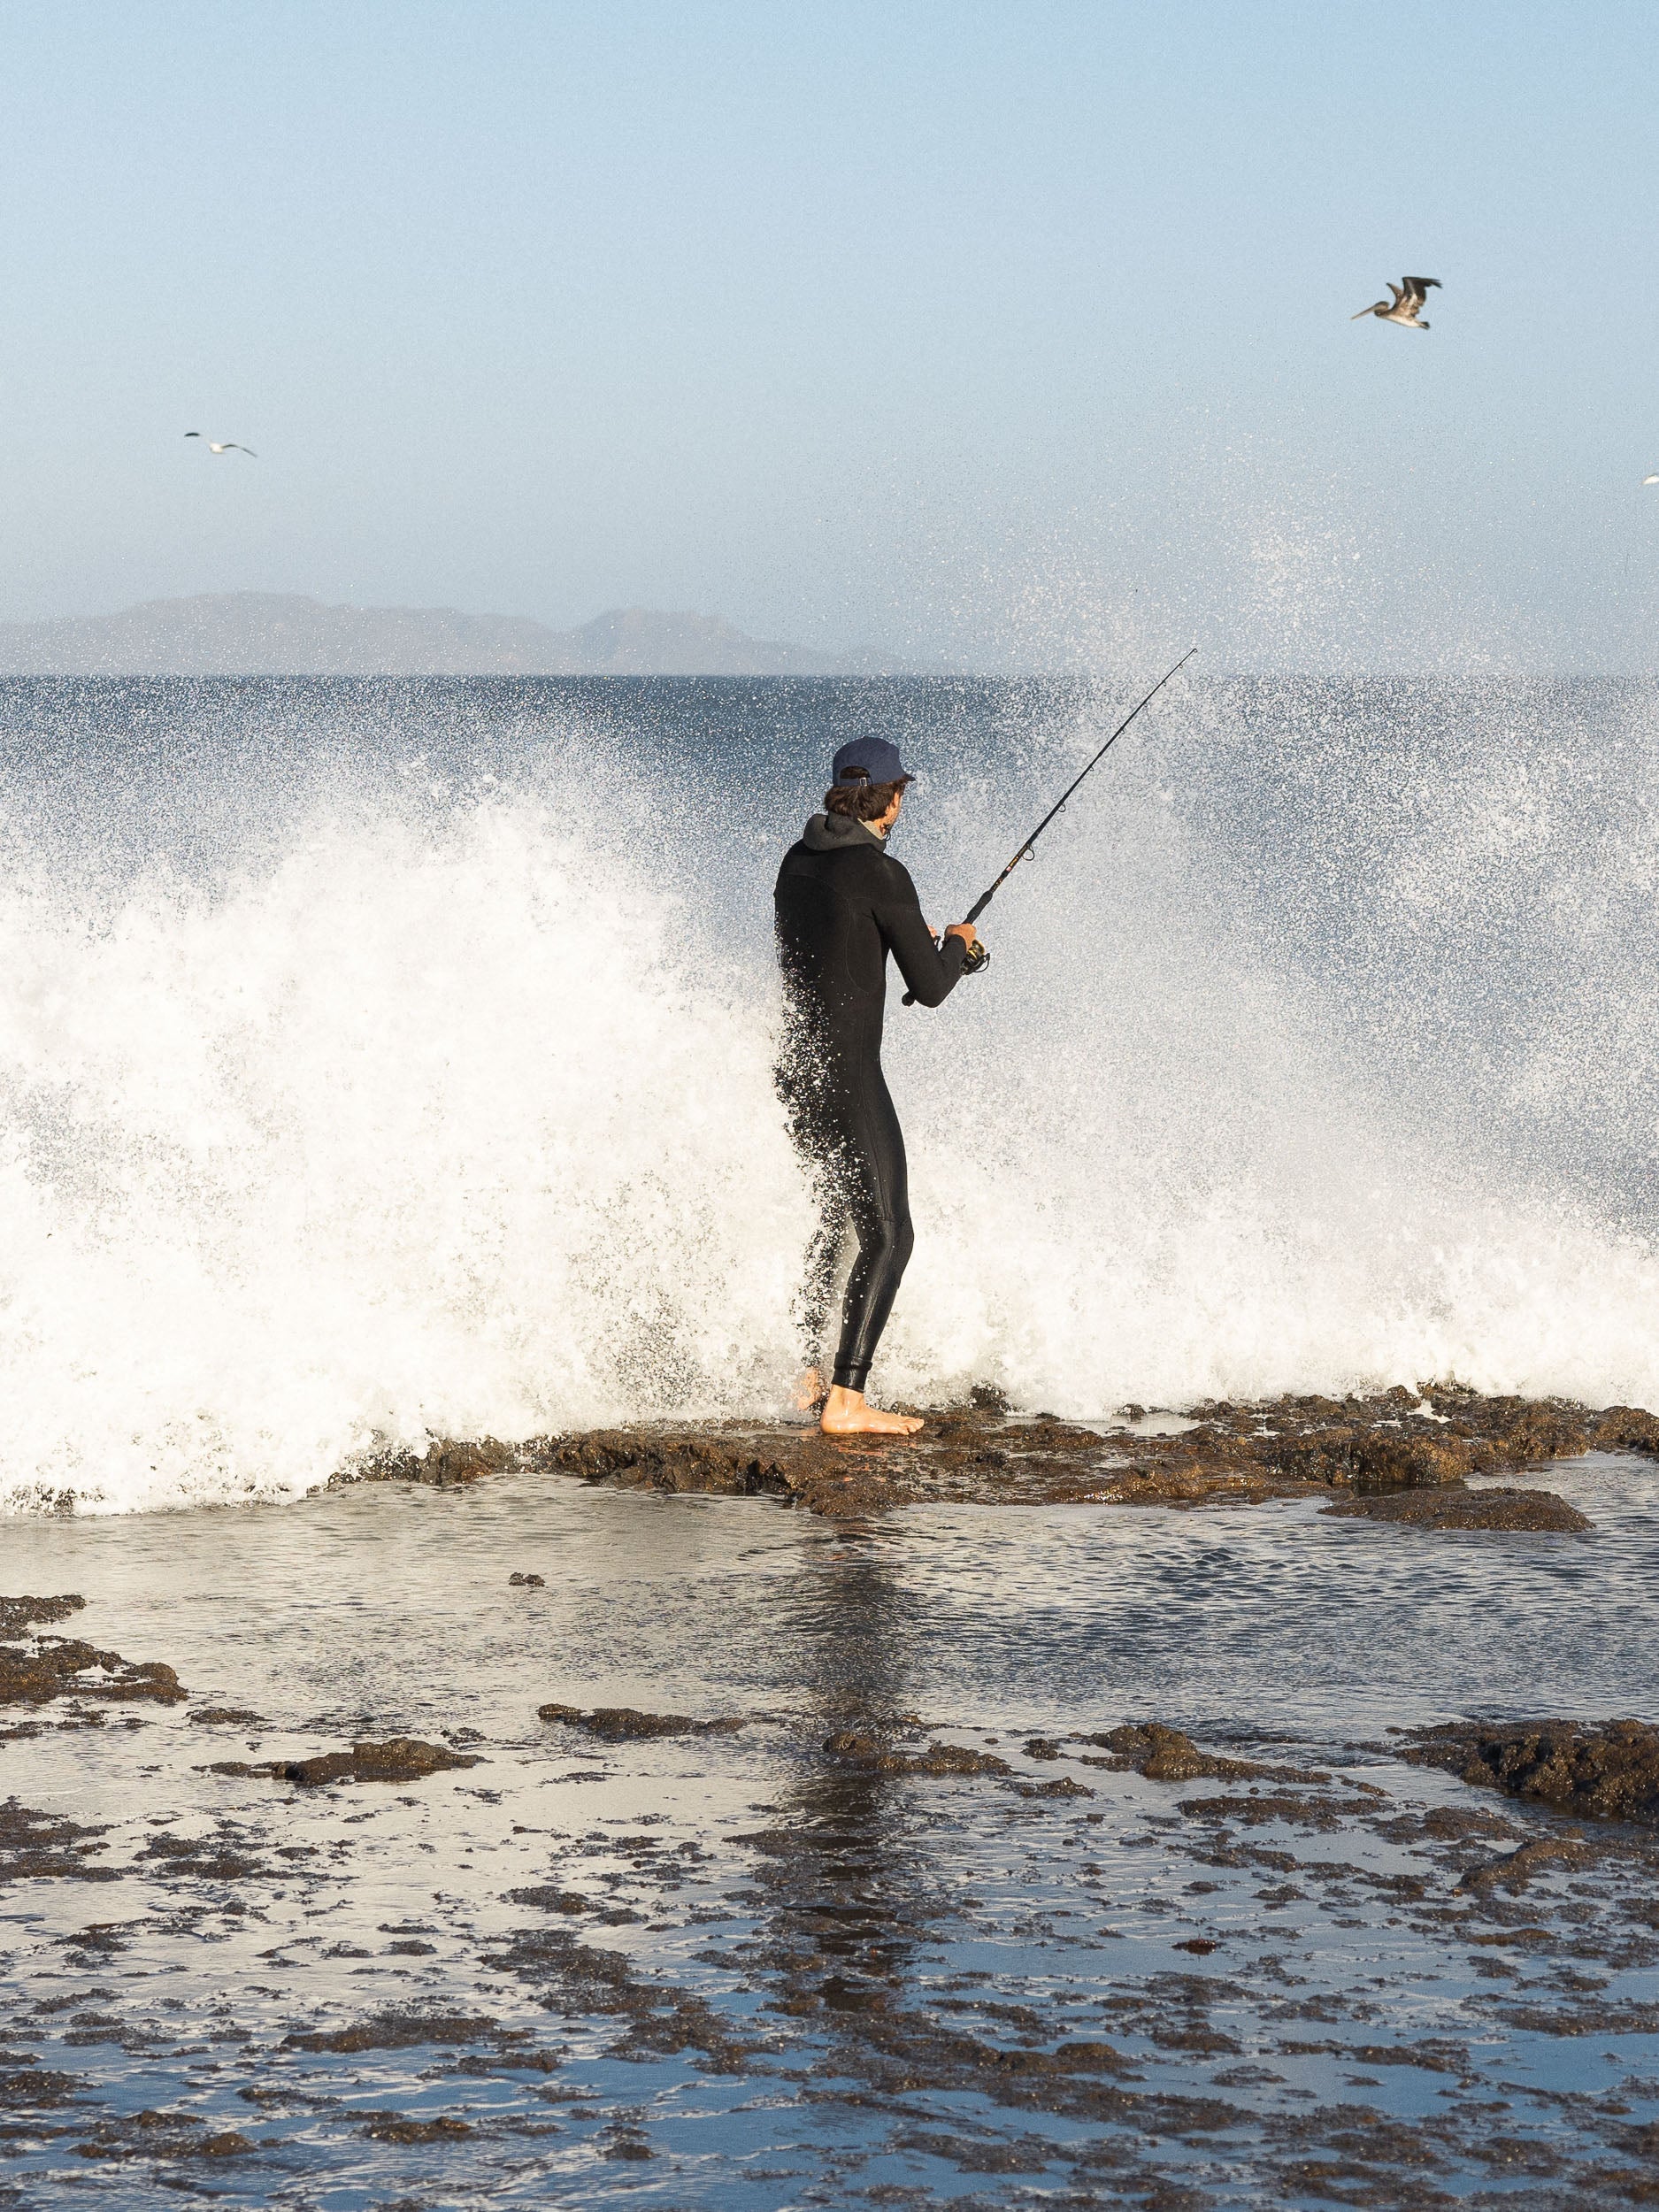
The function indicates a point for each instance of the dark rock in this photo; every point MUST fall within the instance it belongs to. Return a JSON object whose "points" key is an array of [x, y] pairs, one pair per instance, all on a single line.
{"points": [[395, 2032], [17, 1614], [60, 1666], [398, 1759], [620, 1723], [445, 1464], [35, 1846], [976, 1454], [1544, 1855], [1370, 1459], [392, 2127], [527, 1582], [1625, 1429], [1164, 1754], [869, 1753], [549, 1898], [679, 1460], [1534, 1511], [224, 1716], [162, 2135], [1607, 1769], [26, 2085]]}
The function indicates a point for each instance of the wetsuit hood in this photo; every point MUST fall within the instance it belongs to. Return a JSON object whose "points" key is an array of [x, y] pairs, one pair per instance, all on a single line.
{"points": [[838, 832]]}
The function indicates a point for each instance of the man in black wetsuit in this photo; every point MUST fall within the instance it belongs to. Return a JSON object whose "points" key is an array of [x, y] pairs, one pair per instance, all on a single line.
{"points": [[843, 904]]}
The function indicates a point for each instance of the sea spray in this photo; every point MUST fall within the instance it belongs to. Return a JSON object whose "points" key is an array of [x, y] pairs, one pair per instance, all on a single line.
{"points": [[423, 1131], [431, 1095]]}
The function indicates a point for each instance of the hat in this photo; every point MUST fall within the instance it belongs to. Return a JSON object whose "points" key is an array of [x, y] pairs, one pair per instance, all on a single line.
{"points": [[868, 760]]}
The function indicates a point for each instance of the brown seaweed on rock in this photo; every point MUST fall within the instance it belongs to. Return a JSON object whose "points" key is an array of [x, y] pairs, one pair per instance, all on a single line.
{"points": [[1436, 1438], [61, 1667], [1537, 1512], [1164, 1754], [1607, 1769], [620, 1723], [397, 1759]]}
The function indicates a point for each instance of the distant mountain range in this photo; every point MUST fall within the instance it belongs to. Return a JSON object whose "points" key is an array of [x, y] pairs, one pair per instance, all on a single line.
{"points": [[274, 633]]}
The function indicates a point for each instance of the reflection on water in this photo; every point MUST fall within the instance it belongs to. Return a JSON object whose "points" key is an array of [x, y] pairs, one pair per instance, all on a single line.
{"points": [[740, 1970]]}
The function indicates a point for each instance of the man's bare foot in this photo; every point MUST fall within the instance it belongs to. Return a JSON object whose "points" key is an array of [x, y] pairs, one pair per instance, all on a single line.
{"points": [[809, 1391], [846, 1414]]}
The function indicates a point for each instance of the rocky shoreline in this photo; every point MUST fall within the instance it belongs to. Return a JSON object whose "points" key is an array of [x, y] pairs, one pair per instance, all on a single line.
{"points": [[1368, 1455]]}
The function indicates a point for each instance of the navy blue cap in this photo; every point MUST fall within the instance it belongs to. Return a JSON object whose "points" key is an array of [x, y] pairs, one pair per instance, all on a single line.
{"points": [[871, 758]]}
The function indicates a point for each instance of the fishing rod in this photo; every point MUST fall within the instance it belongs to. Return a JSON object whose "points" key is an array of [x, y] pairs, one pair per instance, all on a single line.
{"points": [[974, 913]]}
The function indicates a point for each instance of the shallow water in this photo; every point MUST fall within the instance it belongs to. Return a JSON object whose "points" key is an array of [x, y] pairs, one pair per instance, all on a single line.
{"points": [[840, 1927]]}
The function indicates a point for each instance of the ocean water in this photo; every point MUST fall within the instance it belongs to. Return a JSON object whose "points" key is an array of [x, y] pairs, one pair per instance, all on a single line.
{"points": [[385, 1060]]}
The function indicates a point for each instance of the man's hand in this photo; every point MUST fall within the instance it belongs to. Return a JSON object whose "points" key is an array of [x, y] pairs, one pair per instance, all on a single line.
{"points": [[966, 932]]}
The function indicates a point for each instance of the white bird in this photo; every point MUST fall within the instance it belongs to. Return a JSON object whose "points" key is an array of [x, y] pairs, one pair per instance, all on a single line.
{"points": [[1411, 296], [229, 446], [1650, 479]]}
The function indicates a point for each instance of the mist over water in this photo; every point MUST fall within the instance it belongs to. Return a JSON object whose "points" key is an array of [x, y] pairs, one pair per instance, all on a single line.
{"points": [[388, 1060]]}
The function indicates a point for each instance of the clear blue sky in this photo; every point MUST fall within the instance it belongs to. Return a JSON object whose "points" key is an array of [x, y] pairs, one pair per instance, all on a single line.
{"points": [[1000, 330]]}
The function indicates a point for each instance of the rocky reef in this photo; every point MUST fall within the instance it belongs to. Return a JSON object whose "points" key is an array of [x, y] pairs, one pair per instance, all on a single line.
{"points": [[1439, 1439]]}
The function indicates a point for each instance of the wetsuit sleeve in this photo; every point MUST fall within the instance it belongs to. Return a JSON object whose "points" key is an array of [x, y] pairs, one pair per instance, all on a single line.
{"points": [[929, 973]]}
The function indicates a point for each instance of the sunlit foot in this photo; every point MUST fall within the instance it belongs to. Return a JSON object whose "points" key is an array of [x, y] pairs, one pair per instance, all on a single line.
{"points": [[809, 1392], [846, 1414]]}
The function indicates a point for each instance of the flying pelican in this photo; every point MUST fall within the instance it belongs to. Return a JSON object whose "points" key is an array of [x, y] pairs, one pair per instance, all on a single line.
{"points": [[1411, 295], [229, 446]]}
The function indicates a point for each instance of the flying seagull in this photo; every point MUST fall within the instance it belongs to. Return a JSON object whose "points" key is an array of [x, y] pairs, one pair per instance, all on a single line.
{"points": [[229, 446], [1411, 295], [1650, 479]]}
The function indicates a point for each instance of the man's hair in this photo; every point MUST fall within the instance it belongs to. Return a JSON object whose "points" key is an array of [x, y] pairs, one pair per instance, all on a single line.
{"points": [[864, 801]]}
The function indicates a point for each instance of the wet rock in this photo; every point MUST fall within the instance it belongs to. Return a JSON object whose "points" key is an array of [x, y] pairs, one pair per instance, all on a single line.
{"points": [[527, 1582], [61, 1666], [395, 2032], [397, 1759], [1371, 1459], [1523, 1431], [674, 1460], [1164, 1754], [17, 1614], [35, 1846], [1535, 1511], [547, 1897], [1609, 1769], [446, 1463], [870, 1754], [1625, 1429], [1544, 1855], [981, 1453], [162, 2135], [26, 2085], [213, 1858], [621, 1724], [1300, 1812], [394, 2127], [224, 1716]]}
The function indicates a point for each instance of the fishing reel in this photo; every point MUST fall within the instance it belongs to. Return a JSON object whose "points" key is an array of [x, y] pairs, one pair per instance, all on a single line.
{"points": [[974, 959]]}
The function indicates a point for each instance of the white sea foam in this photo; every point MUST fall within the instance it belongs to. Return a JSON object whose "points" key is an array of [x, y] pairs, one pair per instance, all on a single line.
{"points": [[458, 1123]]}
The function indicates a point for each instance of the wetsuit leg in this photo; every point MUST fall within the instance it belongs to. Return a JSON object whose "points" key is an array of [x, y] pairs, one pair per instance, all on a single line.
{"points": [[876, 1191], [819, 1137], [824, 1258]]}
